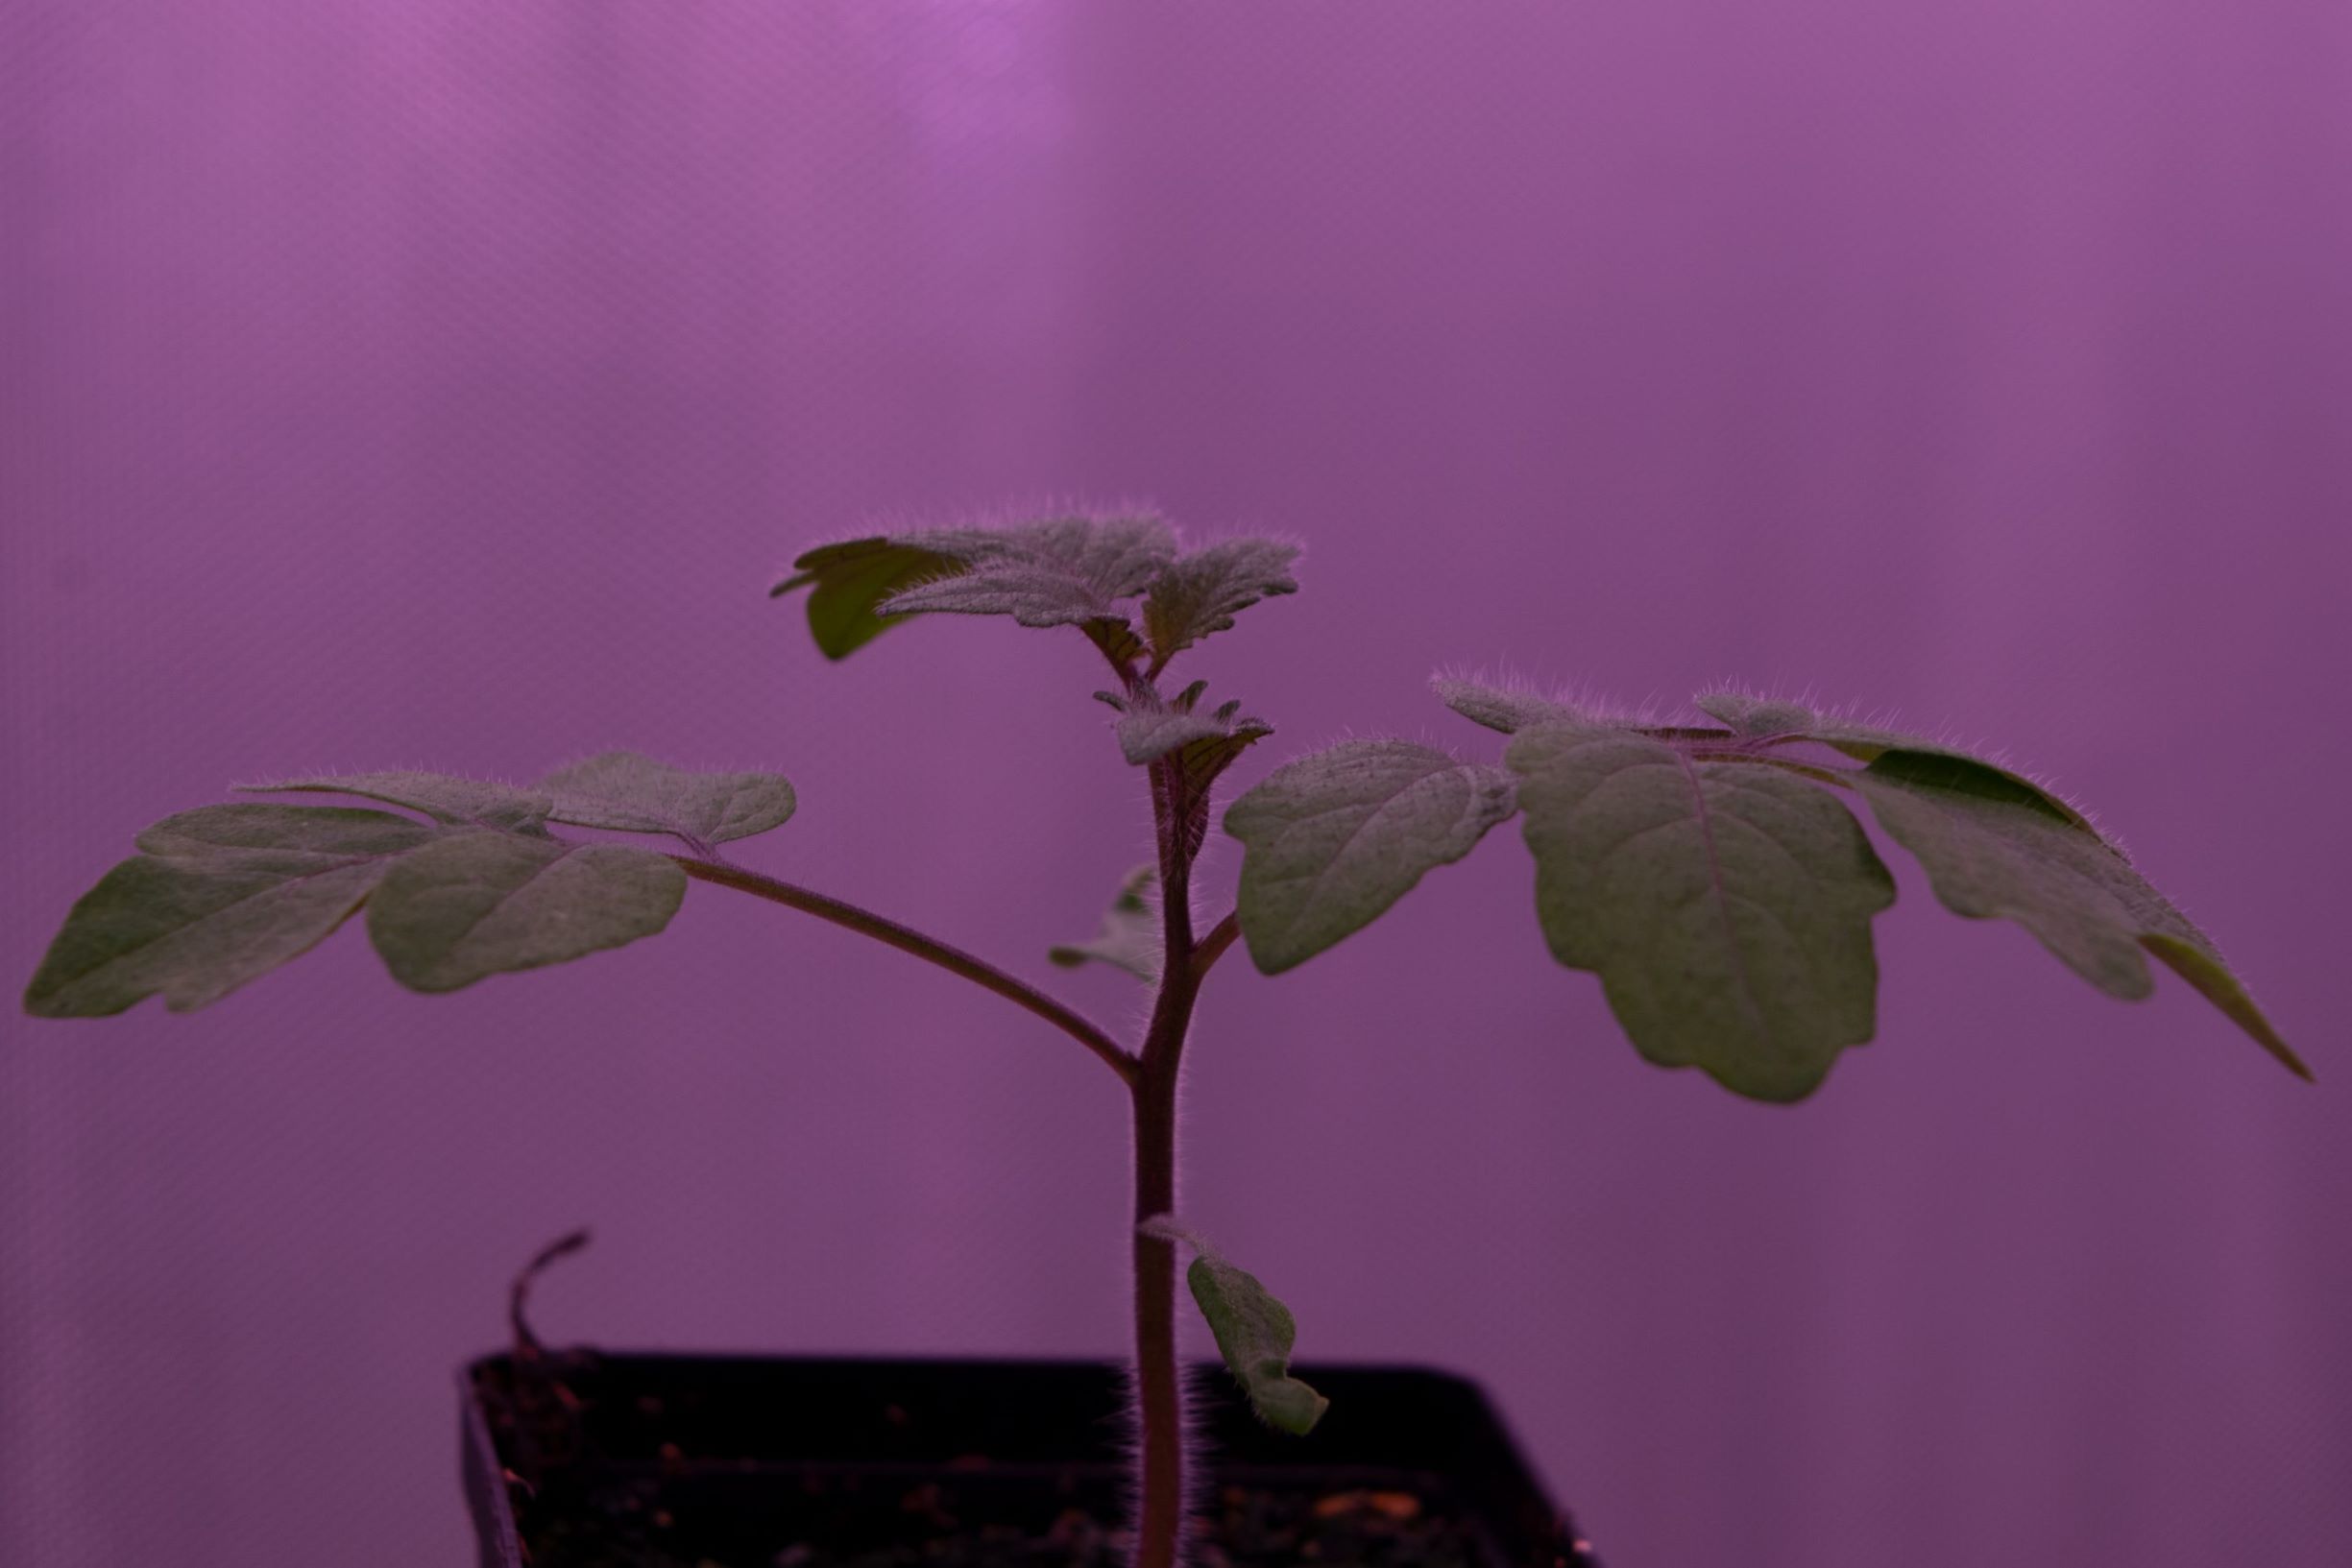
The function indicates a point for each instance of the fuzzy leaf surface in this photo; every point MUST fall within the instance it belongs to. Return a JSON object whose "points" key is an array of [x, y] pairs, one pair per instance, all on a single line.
{"points": [[472, 905], [476, 803], [1331, 840], [1754, 719], [630, 794], [1726, 908], [1064, 572], [1199, 594], [1498, 708], [1254, 1335], [1148, 734], [219, 896], [1130, 937], [1993, 850]]}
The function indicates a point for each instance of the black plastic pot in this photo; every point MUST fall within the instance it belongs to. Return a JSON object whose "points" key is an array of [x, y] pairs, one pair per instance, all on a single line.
{"points": [[778, 1462]]}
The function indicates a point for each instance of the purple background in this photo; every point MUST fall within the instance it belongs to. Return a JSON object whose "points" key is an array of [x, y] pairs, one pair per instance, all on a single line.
{"points": [[440, 384]]}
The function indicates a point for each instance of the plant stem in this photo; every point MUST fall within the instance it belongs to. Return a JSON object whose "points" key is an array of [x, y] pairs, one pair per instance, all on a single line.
{"points": [[931, 949], [1159, 1391]]}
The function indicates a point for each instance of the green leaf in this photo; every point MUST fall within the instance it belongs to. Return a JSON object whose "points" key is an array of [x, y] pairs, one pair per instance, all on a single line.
{"points": [[1255, 1333], [1726, 908], [1130, 938], [475, 904], [630, 794], [221, 895], [475, 802], [1498, 708], [846, 581], [1330, 841], [1994, 849], [1201, 594], [1756, 718]]}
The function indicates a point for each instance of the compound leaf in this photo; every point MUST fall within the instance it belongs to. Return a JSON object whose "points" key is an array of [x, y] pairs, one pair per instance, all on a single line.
{"points": [[1330, 841], [475, 802], [1130, 938], [221, 895], [1726, 908], [630, 794], [470, 905], [1201, 594], [1993, 849]]}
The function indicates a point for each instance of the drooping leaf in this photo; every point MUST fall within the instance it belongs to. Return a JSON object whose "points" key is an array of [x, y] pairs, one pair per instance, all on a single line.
{"points": [[1757, 718], [624, 791], [470, 905], [1199, 594], [1062, 571], [1130, 937], [1726, 908], [1993, 849], [476, 803], [220, 895], [1255, 1333], [846, 581], [1330, 841], [1498, 708]]}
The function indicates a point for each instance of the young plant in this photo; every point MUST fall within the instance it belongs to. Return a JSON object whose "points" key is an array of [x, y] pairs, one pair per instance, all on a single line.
{"points": [[1711, 874]]}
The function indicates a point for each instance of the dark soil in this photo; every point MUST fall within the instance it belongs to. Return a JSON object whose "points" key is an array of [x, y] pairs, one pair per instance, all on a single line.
{"points": [[590, 1489]]}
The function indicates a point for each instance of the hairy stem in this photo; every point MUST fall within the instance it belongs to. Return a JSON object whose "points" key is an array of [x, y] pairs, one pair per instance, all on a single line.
{"points": [[1212, 946], [1159, 1391], [931, 949]]}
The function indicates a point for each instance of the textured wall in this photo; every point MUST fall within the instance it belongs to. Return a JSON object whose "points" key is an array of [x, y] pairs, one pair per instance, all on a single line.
{"points": [[440, 384]]}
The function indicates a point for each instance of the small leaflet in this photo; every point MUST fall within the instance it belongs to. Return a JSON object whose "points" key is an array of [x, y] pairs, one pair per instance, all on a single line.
{"points": [[1130, 938], [1330, 841], [625, 792]]}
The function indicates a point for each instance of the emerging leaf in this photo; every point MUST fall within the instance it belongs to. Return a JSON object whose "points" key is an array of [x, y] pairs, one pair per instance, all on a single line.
{"points": [[476, 803], [1993, 848], [1255, 1334], [470, 905], [1726, 908], [1201, 594], [630, 794], [1065, 571], [846, 581], [1330, 841], [1130, 937], [1508, 711], [221, 895], [1150, 728]]}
